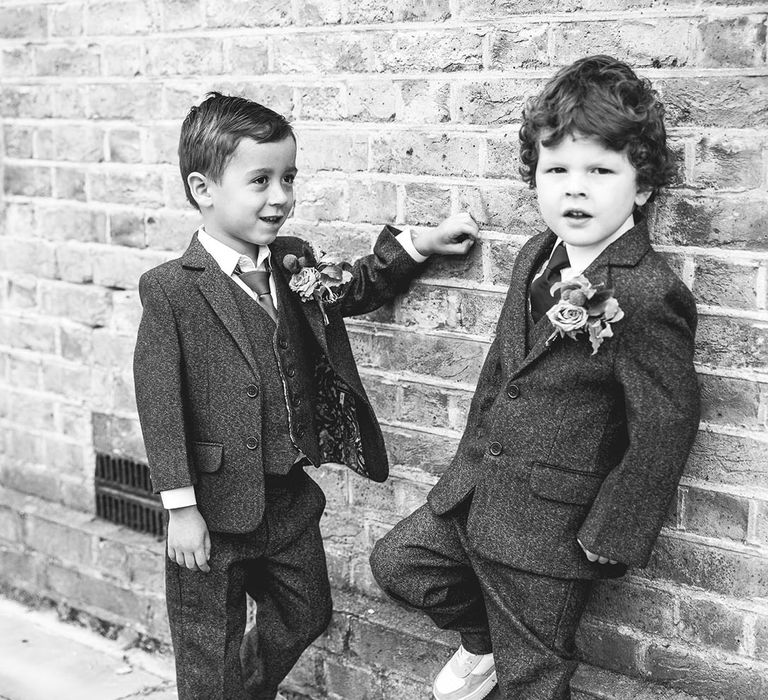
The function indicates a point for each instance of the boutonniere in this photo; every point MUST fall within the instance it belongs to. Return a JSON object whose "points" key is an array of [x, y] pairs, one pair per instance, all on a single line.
{"points": [[583, 308], [322, 278]]}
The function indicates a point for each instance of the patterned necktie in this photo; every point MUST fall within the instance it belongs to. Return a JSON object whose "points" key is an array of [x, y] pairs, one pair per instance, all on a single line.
{"points": [[257, 281], [541, 300]]}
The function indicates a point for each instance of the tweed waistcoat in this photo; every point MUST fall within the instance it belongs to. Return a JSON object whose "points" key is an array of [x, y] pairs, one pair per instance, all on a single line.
{"points": [[284, 358]]}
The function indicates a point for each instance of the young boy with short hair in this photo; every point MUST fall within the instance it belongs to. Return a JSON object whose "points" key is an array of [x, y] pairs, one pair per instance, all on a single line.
{"points": [[585, 410], [241, 381]]}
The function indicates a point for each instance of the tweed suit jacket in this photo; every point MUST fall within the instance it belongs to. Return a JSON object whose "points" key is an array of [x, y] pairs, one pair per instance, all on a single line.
{"points": [[561, 443], [194, 370]]}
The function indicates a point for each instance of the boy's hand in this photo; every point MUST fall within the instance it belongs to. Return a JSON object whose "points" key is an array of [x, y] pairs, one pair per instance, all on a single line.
{"points": [[595, 557], [454, 236], [189, 543]]}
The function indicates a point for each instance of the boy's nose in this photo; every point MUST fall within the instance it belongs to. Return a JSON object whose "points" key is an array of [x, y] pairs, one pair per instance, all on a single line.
{"points": [[277, 195], [575, 186]]}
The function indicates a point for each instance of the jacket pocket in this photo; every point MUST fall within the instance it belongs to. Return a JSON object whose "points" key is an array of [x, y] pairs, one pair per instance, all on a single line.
{"points": [[564, 485], [207, 456]]}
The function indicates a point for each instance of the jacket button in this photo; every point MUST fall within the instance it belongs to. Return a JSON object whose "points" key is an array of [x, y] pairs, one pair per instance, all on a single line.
{"points": [[495, 448], [513, 391], [296, 401], [252, 443], [291, 372], [252, 391], [283, 343]]}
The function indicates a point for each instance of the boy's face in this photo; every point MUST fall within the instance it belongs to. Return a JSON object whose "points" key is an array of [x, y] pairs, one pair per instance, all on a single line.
{"points": [[254, 196], [586, 191]]}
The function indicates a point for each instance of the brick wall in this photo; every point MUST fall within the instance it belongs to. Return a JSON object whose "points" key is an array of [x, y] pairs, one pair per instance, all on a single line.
{"points": [[406, 110]]}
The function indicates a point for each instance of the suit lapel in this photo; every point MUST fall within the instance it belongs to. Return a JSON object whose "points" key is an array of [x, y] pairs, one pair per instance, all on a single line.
{"points": [[513, 321], [213, 286]]}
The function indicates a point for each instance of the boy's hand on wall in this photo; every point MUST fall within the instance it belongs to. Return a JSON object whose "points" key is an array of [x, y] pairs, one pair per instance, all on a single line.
{"points": [[595, 557], [454, 236], [189, 543]]}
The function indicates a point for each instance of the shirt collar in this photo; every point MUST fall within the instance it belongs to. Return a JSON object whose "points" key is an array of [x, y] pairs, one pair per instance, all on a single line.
{"points": [[227, 257], [581, 257]]}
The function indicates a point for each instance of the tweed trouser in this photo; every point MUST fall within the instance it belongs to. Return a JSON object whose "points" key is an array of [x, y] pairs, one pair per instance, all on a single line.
{"points": [[528, 621], [281, 565]]}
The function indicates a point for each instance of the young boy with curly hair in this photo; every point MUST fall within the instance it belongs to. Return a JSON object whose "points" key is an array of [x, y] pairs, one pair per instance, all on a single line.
{"points": [[585, 410]]}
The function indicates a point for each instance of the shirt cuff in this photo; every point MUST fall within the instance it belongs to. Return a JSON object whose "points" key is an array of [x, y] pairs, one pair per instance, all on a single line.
{"points": [[405, 240], [178, 498]]}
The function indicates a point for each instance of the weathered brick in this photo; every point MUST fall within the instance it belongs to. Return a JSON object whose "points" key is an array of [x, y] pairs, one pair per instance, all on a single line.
{"points": [[122, 17], [17, 63], [18, 141], [138, 187], [181, 14], [69, 183], [715, 514], [67, 62], [501, 257], [372, 101], [24, 372], [613, 648], [71, 101], [345, 681], [20, 570], [494, 101], [760, 533], [73, 263], [427, 307], [731, 342], [721, 283], [314, 12], [508, 209], [761, 637], [63, 222], [473, 9], [323, 102], [246, 55], [321, 200], [36, 101], [28, 22], [728, 459], [30, 333], [123, 60], [60, 541], [372, 201], [27, 180], [27, 255], [171, 230], [479, 311], [732, 573], [122, 101], [426, 204], [22, 292], [701, 675], [651, 610], [375, 11], [78, 143], [119, 267], [727, 162], [242, 13], [503, 156], [733, 41], [651, 42], [728, 401], [423, 450], [67, 20], [424, 101], [71, 381], [124, 145], [711, 623], [332, 150], [83, 303], [116, 435], [431, 154], [185, 56], [525, 46]]}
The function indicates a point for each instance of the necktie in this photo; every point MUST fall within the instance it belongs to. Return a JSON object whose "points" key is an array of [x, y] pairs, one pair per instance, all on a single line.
{"points": [[258, 281], [541, 300]]}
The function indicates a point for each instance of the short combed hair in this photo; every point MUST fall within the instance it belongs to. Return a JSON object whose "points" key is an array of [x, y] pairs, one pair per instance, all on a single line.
{"points": [[213, 129], [601, 97]]}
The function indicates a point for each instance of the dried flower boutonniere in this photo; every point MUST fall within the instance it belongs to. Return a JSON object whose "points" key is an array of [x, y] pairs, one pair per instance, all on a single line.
{"points": [[583, 308], [322, 280]]}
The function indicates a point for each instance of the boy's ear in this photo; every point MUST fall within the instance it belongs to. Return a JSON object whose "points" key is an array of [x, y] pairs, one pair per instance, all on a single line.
{"points": [[199, 187], [642, 197]]}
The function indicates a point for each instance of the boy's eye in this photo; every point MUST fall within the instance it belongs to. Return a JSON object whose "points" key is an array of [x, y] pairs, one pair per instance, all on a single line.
{"points": [[603, 171], [289, 178], [556, 170], [260, 180]]}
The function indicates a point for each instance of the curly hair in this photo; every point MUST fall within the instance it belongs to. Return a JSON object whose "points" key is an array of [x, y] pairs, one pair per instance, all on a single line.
{"points": [[212, 130], [601, 97]]}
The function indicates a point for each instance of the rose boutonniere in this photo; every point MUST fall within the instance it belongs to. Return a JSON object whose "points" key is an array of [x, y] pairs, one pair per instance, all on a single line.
{"points": [[322, 278], [584, 308]]}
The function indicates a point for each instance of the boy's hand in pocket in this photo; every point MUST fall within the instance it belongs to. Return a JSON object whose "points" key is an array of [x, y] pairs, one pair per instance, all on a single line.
{"points": [[595, 557]]}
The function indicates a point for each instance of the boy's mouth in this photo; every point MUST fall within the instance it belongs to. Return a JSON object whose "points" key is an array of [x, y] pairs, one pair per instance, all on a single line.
{"points": [[576, 214], [271, 219]]}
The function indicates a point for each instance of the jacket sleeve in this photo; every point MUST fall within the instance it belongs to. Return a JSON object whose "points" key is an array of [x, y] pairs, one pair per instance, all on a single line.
{"points": [[159, 390], [654, 366], [379, 277]]}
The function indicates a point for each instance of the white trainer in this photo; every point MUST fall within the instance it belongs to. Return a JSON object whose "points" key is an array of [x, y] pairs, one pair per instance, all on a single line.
{"points": [[466, 676]]}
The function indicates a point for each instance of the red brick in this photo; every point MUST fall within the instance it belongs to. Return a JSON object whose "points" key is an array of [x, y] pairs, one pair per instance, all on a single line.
{"points": [[702, 675], [731, 342], [30, 22], [374, 11], [67, 62], [122, 17], [734, 41], [728, 401], [711, 623], [723, 571], [428, 154], [720, 283], [424, 101], [715, 514], [27, 180], [243, 13]]}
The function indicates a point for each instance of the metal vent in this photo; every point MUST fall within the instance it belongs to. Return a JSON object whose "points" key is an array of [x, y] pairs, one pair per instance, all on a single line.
{"points": [[124, 495]]}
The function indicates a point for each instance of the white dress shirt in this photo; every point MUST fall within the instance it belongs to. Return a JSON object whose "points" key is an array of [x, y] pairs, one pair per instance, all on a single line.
{"points": [[227, 259]]}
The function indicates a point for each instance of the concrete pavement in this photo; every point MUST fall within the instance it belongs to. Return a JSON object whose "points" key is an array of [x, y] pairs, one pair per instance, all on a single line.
{"points": [[43, 658]]}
